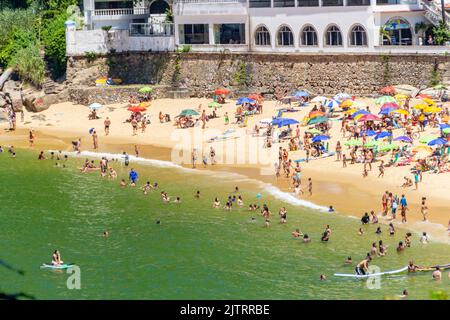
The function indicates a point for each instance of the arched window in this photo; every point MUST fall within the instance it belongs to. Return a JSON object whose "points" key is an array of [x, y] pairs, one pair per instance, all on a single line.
{"points": [[358, 36], [158, 7], [333, 36], [308, 36], [285, 36], [397, 31], [262, 36]]}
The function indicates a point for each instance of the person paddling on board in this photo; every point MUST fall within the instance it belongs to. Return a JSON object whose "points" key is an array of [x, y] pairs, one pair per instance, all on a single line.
{"points": [[56, 258], [362, 268]]}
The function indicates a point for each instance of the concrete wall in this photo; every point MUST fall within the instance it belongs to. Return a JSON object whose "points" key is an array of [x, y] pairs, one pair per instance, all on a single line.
{"points": [[201, 73]]}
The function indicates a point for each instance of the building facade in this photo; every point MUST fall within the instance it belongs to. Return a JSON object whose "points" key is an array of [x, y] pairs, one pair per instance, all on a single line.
{"points": [[285, 26]]}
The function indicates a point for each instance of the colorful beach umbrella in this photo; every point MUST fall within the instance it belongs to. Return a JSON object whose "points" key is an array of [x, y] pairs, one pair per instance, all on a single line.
{"points": [[95, 106], [221, 91], [313, 131], [386, 111], [214, 105], [320, 99], [320, 138], [368, 133], [318, 120], [432, 110], [428, 101], [369, 117], [341, 96], [188, 112], [353, 142], [420, 106], [332, 104], [351, 111], [145, 89], [388, 90], [346, 104], [400, 97], [244, 100], [382, 135], [136, 109], [388, 147], [384, 99], [423, 95], [437, 142], [390, 105], [281, 122], [426, 139], [315, 114], [403, 139], [360, 112], [401, 111]]}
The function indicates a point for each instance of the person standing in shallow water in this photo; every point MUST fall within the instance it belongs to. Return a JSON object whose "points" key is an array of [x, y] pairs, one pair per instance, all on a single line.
{"points": [[31, 138]]}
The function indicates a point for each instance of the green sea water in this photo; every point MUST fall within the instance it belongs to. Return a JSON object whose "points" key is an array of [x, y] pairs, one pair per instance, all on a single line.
{"points": [[196, 252]]}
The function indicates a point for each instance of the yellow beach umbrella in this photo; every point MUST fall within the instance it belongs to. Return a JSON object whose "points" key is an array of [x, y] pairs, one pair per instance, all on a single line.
{"points": [[421, 106], [350, 111], [346, 103], [401, 111], [428, 100], [400, 96], [422, 154], [422, 148], [358, 116], [432, 110]]}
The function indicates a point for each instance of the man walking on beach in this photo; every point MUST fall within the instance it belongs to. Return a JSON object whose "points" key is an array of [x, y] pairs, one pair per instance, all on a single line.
{"points": [[107, 123], [95, 140], [203, 117]]}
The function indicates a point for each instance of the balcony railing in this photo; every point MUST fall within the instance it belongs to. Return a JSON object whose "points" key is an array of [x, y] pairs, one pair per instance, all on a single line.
{"points": [[358, 2], [151, 29], [210, 1], [332, 3], [120, 12]]}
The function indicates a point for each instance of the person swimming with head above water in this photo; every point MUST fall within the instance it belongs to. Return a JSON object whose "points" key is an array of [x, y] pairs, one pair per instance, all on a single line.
{"points": [[362, 268], [56, 258]]}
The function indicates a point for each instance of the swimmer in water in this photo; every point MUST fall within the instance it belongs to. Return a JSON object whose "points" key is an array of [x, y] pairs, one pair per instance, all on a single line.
{"points": [[400, 246], [323, 277], [240, 202], [349, 260], [297, 233], [437, 274], [360, 231], [197, 195], [331, 209], [306, 238], [112, 173], [424, 238], [105, 233], [177, 200], [362, 268], [56, 258], [146, 187]]}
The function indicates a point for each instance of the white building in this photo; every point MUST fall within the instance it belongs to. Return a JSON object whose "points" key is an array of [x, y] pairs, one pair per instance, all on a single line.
{"points": [[317, 26]]}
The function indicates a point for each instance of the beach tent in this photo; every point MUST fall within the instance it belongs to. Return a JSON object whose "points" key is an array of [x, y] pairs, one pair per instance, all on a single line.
{"points": [[188, 112]]}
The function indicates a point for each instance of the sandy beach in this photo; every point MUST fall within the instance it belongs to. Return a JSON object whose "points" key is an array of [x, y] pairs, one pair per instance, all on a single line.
{"points": [[345, 188]]}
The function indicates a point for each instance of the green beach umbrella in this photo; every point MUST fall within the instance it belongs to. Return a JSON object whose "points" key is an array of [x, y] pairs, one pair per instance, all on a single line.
{"points": [[446, 130], [388, 147], [385, 99], [214, 105], [313, 131], [188, 112], [372, 143], [145, 90], [353, 142], [318, 120], [427, 139]]}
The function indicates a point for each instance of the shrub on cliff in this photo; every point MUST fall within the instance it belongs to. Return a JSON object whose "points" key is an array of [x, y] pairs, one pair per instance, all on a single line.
{"points": [[29, 65], [54, 41]]}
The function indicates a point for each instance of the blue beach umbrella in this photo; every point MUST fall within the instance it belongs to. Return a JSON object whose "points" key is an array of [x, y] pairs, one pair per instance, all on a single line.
{"points": [[383, 135], [244, 100], [386, 111], [444, 125], [403, 139], [436, 142], [281, 122], [332, 104], [300, 94], [320, 138], [354, 114], [369, 133]]}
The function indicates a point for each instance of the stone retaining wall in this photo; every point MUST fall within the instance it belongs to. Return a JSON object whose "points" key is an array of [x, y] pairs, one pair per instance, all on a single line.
{"points": [[201, 73]]}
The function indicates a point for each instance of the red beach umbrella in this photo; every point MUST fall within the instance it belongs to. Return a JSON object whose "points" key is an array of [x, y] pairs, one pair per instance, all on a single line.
{"points": [[222, 91], [388, 90], [137, 109], [369, 117]]}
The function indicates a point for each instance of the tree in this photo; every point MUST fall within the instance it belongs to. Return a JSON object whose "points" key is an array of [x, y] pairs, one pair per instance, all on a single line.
{"points": [[441, 33]]}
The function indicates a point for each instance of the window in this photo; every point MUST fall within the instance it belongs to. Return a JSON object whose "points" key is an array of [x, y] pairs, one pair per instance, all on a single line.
{"points": [[262, 36], [358, 36], [358, 3], [307, 3], [159, 7], [283, 3], [259, 3], [333, 36], [332, 3], [194, 34], [285, 37], [308, 36], [113, 5], [397, 31], [230, 33]]}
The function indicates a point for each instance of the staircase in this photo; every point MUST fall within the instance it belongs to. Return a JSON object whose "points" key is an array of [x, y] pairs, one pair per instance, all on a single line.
{"points": [[433, 12]]}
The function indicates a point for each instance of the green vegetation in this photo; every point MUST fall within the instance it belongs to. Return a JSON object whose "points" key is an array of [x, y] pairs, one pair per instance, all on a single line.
{"points": [[176, 77], [435, 77], [441, 34], [242, 76], [386, 69], [90, 56], [32, 33]]}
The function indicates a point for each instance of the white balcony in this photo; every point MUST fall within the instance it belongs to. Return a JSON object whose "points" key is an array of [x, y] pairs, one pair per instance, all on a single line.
{"points": [[209, 7], [116, 14]]}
